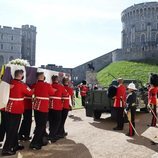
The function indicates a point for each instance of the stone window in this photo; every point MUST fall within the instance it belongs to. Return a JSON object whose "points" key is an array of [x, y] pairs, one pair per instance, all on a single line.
{"points": [[157, 26], [1, 46], [1, 60], [1, 36], [156, 39], [142, 39], [143, 26], [11, 58], [12, 38], [11, 47]]}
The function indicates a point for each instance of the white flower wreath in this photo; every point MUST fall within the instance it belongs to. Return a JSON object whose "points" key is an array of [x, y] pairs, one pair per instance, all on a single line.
{"points": [[18, 61]]}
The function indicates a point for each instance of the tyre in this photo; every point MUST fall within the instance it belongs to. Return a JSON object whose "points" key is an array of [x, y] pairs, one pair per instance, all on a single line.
{"points": [[97, 114]]}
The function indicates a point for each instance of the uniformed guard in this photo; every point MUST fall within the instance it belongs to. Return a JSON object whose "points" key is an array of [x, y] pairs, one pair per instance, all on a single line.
{"points": [[152, 101], [55, 111], [24, 132], [119, 104], [68, 102], [42, 92], [83, 92], [2, 125], [14, 109], [131, 107]]}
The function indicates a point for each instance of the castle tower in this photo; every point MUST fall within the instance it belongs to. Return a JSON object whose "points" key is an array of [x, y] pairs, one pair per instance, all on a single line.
{"points": [[10, 44], [29, 43], [140, 31]]}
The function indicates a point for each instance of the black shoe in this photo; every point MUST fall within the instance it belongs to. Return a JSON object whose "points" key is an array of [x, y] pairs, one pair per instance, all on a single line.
{"points": [[117, 128], [19, 147], [23, 138], [0, 144], [54, 139], [65, 134], [35, 147], [8, 153]]}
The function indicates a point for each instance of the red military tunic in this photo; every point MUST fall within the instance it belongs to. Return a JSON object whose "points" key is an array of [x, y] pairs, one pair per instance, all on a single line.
{"points": [[67, 97], [120, 97], [16, 98], [152, 95], [42, 92], [56, 99], [83, 90], [28, 101]]}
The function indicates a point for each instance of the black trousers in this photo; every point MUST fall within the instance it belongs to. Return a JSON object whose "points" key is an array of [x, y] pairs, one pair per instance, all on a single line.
{"points": [[63, 120], [120, 117], [26, 123], [55, 117], [153, 122], [133, 113], [3, 125], [77, 94], [40, 121], [83, 99], [12, 126]]}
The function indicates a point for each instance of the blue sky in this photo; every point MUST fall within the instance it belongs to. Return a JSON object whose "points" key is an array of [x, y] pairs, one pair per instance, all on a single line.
{"points": [[69, 32]]}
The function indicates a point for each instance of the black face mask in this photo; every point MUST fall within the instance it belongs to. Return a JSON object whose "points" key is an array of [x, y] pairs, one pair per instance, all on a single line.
{"points": [[44, 78], [22, 77]]}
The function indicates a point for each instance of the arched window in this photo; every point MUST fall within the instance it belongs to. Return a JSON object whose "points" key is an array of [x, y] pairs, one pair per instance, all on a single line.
{"points": [[11, 58], [142, 39], [1, 60], [156, 39]]}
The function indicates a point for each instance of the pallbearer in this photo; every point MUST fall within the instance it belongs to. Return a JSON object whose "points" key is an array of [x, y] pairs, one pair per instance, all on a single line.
{"points": [[2, 125], [68, 101], [55, 111], [131, 107], [14, 109], [24, 132], [42, 92]]}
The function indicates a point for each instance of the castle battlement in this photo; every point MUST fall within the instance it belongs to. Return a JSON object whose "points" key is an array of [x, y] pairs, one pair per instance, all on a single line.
{"points": [[10, 30], [29, 27]]}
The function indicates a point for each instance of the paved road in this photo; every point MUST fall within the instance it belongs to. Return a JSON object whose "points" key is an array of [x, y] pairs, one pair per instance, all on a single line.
{"points": [[96, 139]]}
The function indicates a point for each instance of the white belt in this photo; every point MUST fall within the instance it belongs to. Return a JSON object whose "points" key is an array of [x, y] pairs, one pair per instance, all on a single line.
{"points": [[16, 99], [56, 98], [27, 97], [42, 98], [66, 98], [83, 91]]}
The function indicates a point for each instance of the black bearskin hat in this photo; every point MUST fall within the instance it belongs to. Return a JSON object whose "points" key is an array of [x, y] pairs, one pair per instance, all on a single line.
{"points": [[112, 91], [153, 79]]}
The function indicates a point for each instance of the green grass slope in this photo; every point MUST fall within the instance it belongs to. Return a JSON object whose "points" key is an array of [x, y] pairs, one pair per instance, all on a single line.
{"points": [[126, 70]]}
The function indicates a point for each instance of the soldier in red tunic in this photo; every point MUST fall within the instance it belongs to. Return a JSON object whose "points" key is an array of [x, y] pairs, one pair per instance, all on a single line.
{"points": [[2, 125], [42, 92], [119, 104], [152, 101], [55, 111], [68, 101], [24, 132], [83, 92], [14, 109]]}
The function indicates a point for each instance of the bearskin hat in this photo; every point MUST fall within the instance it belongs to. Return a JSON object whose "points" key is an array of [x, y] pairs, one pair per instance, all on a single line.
{"points": [[112, 91], [153, 79]]}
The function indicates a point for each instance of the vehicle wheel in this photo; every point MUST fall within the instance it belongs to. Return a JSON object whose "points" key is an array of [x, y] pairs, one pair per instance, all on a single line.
{"points": [[97, 115]]}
